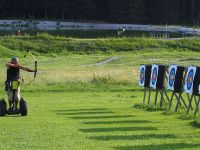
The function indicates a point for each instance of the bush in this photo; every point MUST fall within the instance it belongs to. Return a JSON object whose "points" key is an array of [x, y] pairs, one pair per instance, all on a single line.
{"points": [[103, 80]]}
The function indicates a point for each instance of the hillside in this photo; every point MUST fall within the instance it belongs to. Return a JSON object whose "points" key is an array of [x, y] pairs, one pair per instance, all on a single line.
{"points": [[46, 44]]}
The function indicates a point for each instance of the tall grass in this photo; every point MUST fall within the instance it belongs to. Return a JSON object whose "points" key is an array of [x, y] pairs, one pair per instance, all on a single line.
{"points": [[46, 44]]}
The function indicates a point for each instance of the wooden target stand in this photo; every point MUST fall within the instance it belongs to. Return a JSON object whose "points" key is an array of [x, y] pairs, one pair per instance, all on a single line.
{"points": [[190, 96], [158, 86], [179, 99], [176, 93], [197, 101], [195, 94], [162, 93], [177, 87], [197, 105], [145, 75]]}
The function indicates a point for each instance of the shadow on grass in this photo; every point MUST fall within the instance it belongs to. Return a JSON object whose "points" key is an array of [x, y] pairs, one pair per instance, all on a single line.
{"points": [[74, 110], [87, 113], [117, 122], [195, 124], [152, 109], [11, 116], [168, 113], [149, 108], [186, 117], [133, 137], [117, 129], [159, 147], [102, 117]]}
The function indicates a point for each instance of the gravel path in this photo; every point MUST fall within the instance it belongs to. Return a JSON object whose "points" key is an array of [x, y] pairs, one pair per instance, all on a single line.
{"points": [[102, 62]]}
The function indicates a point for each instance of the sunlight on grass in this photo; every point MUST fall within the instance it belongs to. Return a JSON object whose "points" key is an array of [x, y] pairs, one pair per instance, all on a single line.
{"points": [[72, 106]]}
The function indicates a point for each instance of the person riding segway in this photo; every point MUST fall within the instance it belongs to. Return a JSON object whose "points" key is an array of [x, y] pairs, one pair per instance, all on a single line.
{"points": [[12, 86]]}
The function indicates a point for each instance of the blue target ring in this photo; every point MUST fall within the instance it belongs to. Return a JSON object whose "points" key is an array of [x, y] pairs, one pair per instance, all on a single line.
{"points": [[142, 76], [172, 75], [190, 79], [154, 76]]}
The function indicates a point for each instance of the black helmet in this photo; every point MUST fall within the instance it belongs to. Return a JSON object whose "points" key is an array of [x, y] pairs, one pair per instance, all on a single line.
{"points": [[14, 60]]}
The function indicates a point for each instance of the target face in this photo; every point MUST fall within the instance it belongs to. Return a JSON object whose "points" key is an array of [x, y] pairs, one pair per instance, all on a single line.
{"points": [[172, 77], [172, 74], [154, 76], [142, 75], [190, 79]]}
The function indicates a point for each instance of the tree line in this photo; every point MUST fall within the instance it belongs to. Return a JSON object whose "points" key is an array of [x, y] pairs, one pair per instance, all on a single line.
{"points": [[120, 11]]}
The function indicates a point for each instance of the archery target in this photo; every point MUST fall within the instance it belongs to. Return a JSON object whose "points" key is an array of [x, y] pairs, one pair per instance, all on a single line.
{"points": [[142, 75], [172, 75], [145, 75], [154, 76], [188, 88]]}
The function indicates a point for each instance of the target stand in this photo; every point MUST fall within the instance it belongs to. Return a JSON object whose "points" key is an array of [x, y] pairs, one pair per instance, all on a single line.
{"points": [[157, 83], [145, 75], [175, 84], [192, 87]]}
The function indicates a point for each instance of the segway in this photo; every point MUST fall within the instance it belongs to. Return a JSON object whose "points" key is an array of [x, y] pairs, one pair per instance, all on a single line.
{"points": [[14, 85]]}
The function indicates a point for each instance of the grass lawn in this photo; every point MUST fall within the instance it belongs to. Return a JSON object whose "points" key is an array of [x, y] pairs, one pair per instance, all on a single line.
{"points": [[72, 106]]}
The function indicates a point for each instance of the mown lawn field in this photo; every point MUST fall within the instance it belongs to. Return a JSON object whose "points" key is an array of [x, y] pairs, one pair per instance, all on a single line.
{"points": [[76, 104]]}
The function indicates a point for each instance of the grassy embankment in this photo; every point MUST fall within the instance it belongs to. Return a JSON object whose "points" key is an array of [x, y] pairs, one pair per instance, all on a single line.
{"points": [[75, 106]]}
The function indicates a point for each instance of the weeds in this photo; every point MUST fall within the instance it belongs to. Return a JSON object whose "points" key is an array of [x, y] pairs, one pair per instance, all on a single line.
{"points": [[104, 80]]}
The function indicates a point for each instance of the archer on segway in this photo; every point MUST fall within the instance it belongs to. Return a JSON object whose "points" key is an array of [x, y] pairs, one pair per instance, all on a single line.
{"points": [[12, 86]]}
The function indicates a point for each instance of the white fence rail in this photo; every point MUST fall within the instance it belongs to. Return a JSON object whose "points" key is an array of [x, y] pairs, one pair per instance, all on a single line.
{"points": [[53, 25]]}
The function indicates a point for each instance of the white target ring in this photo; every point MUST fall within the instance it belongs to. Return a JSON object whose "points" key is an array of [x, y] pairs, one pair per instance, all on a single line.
{"points": [[188, 87], [171, 79], [154, 76], [142, 75]]}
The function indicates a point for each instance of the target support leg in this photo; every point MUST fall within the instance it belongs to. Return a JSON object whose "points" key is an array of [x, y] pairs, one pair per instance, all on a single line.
{"points": [[188, 96], [169, 100], [195, 100], [161, 99], [156, 98], [190, 104], [178, 102], [170, 104], [197, 107], [149, 97], [183, 101], [177, 97], [145, 91]]}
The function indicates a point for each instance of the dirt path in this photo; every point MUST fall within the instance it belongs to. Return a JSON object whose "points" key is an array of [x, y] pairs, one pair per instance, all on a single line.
{"points": [[102, 62]]}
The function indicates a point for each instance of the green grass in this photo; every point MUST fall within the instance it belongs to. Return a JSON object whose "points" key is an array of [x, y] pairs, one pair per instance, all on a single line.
{"points": [[72, 106], [44, 43], [91, 33]]}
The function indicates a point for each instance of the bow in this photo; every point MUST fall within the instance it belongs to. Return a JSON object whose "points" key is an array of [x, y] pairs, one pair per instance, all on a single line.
{"points": [[35, 72]]}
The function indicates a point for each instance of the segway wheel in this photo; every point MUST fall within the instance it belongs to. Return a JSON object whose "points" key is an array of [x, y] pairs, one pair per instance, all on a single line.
{"points": [[2, 107], [23, 107]]}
